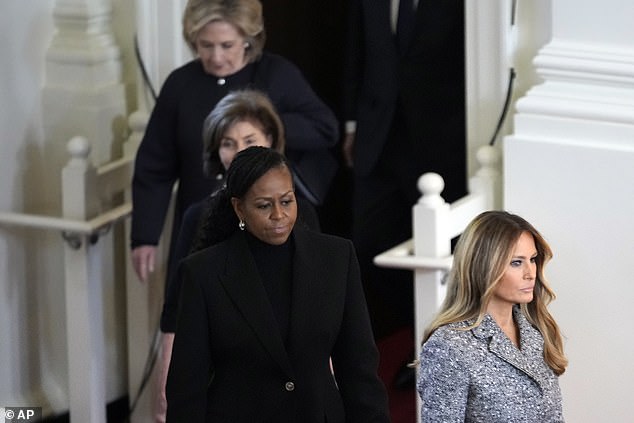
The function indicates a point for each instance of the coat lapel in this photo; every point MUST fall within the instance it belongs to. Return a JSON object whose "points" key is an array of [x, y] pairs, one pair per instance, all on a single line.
{"points": [[243, 284], [307, 285], [524, 359]]}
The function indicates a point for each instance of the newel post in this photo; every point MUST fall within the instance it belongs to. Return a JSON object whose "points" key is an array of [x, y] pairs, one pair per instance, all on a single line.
{"points": [[431, 219], [84, 304], [487, 180], [142, 301]]}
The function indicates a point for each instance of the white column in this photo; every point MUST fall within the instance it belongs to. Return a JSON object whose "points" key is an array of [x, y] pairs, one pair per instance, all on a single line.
{"points": [[569, 169]]}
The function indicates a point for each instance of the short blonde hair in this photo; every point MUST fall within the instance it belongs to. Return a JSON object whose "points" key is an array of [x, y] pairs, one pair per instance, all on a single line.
{"points": [[245, 15]]}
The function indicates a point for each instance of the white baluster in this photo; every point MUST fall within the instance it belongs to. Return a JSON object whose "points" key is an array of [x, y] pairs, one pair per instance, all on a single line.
{"points": [[487, 180], [84, 303]]}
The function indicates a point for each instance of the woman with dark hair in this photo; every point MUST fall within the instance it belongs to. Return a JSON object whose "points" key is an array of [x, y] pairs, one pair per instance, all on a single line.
{"points": [[242, 119], [265, 305], [494, 352]]}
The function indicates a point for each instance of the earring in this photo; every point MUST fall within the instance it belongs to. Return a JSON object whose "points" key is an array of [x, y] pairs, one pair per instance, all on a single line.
{"points": [[241, 225], [247, 45]]}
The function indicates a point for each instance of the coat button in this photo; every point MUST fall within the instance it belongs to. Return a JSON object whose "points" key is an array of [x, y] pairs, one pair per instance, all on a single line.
{"points": [[290, 386]]}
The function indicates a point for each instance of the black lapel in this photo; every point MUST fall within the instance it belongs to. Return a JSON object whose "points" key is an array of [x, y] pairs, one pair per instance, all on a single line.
{"points": [[242, 283], [307, 296]]}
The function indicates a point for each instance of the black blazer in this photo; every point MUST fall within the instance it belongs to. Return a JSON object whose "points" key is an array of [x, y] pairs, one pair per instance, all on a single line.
{"points": [[306, 216], [229, 363], [424, 84]]}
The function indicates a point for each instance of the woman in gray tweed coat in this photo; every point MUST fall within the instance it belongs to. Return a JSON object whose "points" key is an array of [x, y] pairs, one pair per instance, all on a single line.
{"points": [[494, 352]]}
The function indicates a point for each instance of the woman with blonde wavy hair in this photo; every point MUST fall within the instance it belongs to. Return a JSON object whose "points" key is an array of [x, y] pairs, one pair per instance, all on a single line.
{"points": [[494, 352]]}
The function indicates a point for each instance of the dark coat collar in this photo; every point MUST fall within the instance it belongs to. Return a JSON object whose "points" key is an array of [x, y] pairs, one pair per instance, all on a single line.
{"points": [[244, 285]]}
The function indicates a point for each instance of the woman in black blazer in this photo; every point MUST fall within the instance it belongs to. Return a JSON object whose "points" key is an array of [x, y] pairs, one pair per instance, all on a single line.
{"points": [[265, 307], [242, 119]]}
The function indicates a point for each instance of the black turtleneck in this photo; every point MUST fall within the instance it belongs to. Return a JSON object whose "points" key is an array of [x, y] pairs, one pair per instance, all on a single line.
{"points": [[275, 266]]}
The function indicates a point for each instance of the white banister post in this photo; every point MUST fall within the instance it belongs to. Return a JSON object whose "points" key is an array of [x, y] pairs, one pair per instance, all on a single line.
{"points": [[141, 322], [430, 216], [84, 304], [487, 180], [137, 122], [137, 315]]}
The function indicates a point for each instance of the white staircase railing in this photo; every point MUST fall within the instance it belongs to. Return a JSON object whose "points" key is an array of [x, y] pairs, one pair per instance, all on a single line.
{"points": [[91, 205], [435, 224]]}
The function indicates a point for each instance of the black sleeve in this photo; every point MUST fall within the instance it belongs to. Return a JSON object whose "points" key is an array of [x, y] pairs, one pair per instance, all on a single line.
{"points": [[155, 168], [355, 357], [308, 122], [186, 234], [190, 366]]}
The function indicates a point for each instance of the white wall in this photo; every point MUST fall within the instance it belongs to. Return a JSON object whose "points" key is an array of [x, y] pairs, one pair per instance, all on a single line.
{"points": [[33, 361], [26, 30], [569, 169]]}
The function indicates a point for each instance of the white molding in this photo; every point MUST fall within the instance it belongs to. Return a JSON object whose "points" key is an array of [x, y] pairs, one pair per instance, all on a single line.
{"points": [[587, 96], [83, 47], [586, 62]]}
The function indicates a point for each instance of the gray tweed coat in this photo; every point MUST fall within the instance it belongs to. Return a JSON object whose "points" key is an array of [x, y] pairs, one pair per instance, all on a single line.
{"points": [[478, 375]]}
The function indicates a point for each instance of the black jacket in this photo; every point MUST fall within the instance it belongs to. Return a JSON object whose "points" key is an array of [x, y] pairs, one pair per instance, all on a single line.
{"points": [[424, 85], [229, 362]]}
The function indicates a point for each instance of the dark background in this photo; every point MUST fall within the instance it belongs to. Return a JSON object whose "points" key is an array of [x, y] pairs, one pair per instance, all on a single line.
{"points": [[311, 34]]}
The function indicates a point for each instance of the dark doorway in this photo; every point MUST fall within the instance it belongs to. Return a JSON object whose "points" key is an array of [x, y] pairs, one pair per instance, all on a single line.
{"points": [[311, 34]]}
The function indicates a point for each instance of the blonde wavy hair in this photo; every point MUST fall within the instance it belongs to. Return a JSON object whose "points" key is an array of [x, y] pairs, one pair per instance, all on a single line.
{"points": [[245, 15], [481, 257]]}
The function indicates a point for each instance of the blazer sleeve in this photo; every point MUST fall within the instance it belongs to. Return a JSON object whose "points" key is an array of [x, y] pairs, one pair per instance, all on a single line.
{"points": [[182, 247], [187, 381], [443, 383], [155, 168], [355, 357], [309, 124]]}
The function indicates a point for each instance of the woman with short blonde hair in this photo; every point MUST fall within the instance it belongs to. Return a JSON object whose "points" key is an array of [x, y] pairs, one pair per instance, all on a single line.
{"points": [[245, 15]]}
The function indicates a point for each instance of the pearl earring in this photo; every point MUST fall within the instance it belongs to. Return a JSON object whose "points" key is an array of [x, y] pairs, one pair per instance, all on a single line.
{"points": [[241, 225]]}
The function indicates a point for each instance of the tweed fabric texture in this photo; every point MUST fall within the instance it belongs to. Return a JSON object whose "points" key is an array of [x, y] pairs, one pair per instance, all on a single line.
{"points": [[479, 375]]}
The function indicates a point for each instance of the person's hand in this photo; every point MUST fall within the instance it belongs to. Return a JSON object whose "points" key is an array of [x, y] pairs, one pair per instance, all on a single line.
{"points": [[347, 149], [143, 259], [167, 342]]}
